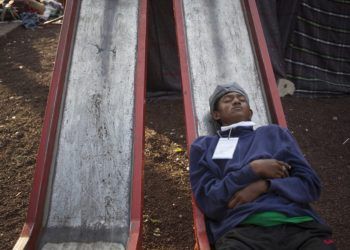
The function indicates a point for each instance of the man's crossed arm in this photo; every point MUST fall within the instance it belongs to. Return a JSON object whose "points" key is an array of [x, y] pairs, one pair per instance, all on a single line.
{"points": [[266, 169]]}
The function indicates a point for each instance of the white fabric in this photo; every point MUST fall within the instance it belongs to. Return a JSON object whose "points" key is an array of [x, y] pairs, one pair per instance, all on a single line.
{"points": [[238, 124], [225, 148]]}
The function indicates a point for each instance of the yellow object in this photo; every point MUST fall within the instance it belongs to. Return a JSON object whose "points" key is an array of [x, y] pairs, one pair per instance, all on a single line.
{"points": [[178, 150]]}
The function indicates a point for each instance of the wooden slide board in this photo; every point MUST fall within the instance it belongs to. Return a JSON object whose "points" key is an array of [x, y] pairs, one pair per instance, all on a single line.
{"points": [[220, 42], [87, 190]]}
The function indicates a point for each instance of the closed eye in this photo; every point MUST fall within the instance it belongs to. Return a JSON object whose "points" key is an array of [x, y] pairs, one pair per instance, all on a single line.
{"points": [[228, 98]]}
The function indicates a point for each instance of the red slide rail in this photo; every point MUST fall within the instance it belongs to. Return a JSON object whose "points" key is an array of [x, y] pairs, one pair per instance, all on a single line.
{"points": [[267, 75], [263, 57], [135, 234], [201, 238], [33, 223]]}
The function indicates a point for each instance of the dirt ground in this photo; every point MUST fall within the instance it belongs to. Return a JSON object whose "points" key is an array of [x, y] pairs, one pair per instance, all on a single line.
{"points": [[321, 127], [167, 212], [26, 63]]}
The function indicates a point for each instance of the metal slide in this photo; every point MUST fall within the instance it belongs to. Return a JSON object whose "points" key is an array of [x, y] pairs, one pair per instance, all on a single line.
{"points": [[219, 42], [87, 191]]}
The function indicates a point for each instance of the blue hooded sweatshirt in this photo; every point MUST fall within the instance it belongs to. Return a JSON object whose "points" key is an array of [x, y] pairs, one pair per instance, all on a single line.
{"points": [[214, 182]]}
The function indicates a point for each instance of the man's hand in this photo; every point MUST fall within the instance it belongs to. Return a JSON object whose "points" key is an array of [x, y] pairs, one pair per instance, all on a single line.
{"points": [[249, 193], [270, 168]]}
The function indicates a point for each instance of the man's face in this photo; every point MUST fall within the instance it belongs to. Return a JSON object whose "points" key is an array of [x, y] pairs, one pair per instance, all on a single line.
{"points": [[232, 108]]}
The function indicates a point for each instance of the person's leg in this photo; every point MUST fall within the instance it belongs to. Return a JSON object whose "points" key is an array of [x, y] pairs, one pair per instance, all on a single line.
{"points": [[308, 236], [249, 237], [318, 244]]}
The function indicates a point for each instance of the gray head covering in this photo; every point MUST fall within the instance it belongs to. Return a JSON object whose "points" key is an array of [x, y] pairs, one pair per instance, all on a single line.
{"points": [[222, 90]]}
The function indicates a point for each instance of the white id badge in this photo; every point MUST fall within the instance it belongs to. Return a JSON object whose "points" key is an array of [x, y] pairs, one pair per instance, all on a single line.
{"points": [[225, 148]]}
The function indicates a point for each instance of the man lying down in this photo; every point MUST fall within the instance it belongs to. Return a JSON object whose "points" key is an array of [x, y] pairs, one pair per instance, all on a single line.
{"points": [[254, 186]]}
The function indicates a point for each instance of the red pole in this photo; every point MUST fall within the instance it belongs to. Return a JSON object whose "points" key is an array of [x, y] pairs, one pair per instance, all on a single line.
{"points": [[135, 234], [33, 223]]}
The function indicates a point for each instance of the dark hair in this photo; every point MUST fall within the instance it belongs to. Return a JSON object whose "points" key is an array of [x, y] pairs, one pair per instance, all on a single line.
{"points": [[216, 105], [218, 122]]}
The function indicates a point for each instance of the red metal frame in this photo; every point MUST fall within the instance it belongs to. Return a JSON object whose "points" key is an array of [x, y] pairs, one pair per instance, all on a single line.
{"points": [[266, 70], [135, 239], [190, 120], [33, 223], [268, 79]]}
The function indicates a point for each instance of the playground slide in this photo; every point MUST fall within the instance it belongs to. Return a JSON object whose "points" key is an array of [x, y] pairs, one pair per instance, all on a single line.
{"points": [[87, 191], [220, 42]]}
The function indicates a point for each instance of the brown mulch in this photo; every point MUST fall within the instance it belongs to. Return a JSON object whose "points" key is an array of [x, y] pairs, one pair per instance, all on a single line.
{"points": [[167, 211], [26, 63], [322, 129], [320, 125]]}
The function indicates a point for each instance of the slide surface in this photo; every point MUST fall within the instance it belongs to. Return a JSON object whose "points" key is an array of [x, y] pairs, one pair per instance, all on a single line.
{"points": [[220, 51], [89, 184], [220, 42], [89, 198]]}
